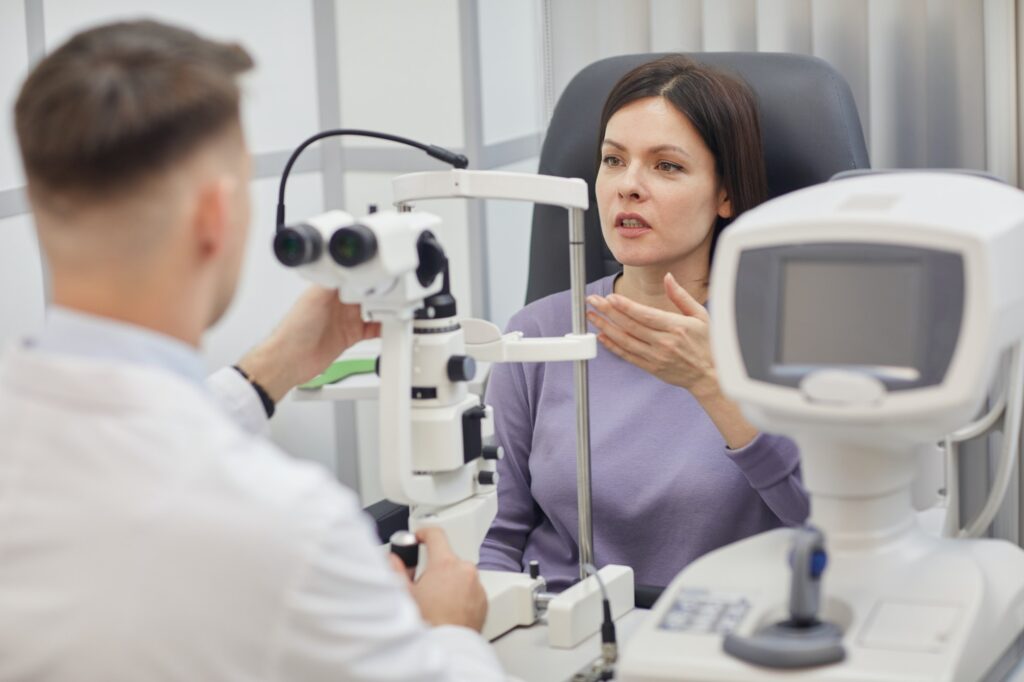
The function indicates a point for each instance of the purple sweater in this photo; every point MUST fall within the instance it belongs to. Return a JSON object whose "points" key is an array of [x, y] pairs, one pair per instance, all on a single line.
{"points": [[666, 489]]}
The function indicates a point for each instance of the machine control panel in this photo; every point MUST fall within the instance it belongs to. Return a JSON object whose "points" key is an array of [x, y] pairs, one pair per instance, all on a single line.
{"points": [[699, 611]]}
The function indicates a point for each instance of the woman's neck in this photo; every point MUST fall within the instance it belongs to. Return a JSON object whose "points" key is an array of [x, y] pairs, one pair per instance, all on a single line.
{"points": [[646, 284]]}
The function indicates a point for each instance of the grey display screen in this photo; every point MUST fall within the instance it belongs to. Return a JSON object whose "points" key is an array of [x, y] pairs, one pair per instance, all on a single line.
{"points": [[849, 312]]}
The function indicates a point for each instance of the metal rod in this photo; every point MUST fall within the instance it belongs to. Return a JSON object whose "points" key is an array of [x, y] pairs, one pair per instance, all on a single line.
{"points": [[578, 284]]}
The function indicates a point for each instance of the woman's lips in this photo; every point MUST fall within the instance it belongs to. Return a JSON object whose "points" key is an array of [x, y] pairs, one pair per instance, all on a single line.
{"points": [[631, 225], [631, 232]]}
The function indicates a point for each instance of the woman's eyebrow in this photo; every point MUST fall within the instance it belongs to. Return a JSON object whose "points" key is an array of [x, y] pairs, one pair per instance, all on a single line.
{"points": [[669, 148], [652, 150]]}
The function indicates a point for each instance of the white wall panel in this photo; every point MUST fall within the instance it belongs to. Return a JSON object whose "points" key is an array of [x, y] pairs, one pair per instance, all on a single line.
{"points": [[729, 25], [676, 26], [511, 88], [508, 250], [573, 45], [1019, 88], [281, 106], [622, 27], [584, 31], [22, 296], [955, 85], [13, 68], [362, 189], [784, 26], [1001, 78], [839, 36], [897, 53], [265, 293], [399, 67]]}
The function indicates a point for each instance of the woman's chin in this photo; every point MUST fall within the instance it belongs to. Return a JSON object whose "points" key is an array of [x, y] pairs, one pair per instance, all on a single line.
{"points": [[635, 254], [638, 258]]}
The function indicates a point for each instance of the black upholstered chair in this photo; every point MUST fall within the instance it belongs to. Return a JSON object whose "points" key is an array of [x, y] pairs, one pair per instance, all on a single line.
{"points": [[810, 128], [809, 123]]}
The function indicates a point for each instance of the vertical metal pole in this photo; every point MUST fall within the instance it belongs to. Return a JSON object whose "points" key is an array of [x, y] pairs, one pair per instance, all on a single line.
{"points": [[473, 117], [578, 275]]}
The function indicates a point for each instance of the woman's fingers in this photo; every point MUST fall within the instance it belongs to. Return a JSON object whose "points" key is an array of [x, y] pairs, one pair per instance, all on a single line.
{"points": [[626, 355], [643, 315], [682, 299], [619, 317], [622, 338]]}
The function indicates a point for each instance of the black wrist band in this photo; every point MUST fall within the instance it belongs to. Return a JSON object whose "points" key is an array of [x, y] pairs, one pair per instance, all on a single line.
{"points": [[268, 403]]}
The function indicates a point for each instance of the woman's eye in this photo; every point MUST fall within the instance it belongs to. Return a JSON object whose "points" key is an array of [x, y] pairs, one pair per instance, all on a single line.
{"points": [[611, 161], [669, 166]]}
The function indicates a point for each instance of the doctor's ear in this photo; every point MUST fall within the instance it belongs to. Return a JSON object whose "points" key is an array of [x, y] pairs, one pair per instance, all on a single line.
{"points": [[211, 218]]}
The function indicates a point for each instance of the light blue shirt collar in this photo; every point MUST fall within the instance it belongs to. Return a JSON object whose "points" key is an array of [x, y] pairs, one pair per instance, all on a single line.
{"points": [[72, 332]]}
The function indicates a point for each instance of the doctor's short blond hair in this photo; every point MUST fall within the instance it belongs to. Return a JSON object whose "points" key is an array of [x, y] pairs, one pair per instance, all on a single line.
{"points": [[117, 104]]}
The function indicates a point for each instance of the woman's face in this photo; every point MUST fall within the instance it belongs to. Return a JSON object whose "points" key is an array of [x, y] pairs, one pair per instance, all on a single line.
{"points": [[657, 191]]}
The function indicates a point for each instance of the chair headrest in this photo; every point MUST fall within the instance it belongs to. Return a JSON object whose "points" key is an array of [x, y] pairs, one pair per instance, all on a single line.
{"points": [[809, 122]]}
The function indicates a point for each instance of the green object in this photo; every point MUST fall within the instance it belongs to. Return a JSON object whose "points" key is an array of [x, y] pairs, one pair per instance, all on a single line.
{"points": [[340, 370]]}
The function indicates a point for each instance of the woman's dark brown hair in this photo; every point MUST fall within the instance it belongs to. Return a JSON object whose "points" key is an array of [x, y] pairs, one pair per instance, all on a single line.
{"points": [[720, 106]]}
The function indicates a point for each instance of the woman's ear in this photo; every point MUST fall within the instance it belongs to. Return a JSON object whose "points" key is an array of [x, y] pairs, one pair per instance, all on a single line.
{"points": [[724, 205]]}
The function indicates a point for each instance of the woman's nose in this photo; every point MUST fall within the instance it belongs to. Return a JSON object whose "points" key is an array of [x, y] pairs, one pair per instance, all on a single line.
{"points": [[631, 184]]}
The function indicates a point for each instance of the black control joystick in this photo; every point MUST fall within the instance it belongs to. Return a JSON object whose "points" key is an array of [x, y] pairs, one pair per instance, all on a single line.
{"points": [[406, 547], [802, 640]]}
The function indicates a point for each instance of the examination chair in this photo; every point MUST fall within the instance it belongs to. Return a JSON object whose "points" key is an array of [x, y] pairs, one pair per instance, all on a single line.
{"points": [[809, 124]]}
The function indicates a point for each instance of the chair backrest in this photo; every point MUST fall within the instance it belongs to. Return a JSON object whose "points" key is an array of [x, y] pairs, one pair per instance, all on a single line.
{"points": [[809, 123]]}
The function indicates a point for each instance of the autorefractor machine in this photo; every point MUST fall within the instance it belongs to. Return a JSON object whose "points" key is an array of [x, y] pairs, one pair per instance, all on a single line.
{"points": [[866, 318]]}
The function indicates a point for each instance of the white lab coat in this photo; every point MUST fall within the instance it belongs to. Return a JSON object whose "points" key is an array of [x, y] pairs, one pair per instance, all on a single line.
{"points": [[145, 536]]}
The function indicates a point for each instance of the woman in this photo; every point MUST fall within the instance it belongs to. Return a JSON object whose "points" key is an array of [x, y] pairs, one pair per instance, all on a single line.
{"points": [[676, 469]]}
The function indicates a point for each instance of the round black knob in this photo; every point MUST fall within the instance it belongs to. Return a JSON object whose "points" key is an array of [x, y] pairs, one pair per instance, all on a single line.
{"points": [[406, 547], [534, 569], [297, 245], [353, 245], [488, 478], [376, 366], [493, 452], [461, 368], [371, 209]]}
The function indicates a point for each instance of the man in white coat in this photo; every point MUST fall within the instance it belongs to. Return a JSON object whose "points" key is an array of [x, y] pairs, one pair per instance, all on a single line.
{"points": [[147, 529]]}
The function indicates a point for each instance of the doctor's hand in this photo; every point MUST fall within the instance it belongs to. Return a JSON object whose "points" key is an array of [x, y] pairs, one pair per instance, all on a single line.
{"points": [[317, 329], [673, 347], [448, 591]]}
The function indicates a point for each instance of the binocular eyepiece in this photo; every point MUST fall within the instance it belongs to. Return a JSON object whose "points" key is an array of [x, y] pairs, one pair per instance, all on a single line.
{"points": [[352, 246], [303, 244], [298, 245]]}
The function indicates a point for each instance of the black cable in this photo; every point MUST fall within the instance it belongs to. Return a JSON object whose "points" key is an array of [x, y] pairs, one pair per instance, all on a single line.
{"points": [[440, 153], [609, 647]]}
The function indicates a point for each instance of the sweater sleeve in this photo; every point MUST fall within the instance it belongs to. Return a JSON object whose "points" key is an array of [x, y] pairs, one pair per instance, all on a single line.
{"points": [[772, 466], [518, 513]]}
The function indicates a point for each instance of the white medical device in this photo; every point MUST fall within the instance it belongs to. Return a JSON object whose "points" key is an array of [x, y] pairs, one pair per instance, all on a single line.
{"points": [[865, 318], [437, 454]]}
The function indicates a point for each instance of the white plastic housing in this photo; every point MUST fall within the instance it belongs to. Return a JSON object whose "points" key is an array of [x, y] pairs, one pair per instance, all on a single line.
{"points": [[575, 613], [980, 219], [387, 280], [477, 184]]}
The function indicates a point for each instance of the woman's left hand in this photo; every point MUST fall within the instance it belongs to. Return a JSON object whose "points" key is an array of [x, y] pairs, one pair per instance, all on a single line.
{"points": [[673, 347]]}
